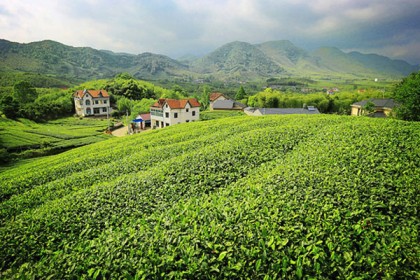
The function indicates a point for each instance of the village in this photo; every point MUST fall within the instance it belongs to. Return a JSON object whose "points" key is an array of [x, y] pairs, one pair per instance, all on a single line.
{"points": [[167, 112]]}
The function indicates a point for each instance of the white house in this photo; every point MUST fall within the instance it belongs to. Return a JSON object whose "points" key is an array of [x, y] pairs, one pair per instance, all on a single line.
{"points": [[92, 102], [168, 112]]}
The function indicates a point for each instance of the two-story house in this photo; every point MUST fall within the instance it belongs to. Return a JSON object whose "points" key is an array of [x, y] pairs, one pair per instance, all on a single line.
{"points": [[92, 102], [168, 112]]}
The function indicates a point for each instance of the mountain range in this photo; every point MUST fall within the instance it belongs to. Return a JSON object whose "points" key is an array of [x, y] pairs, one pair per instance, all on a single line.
{"points": [[233, 61]]}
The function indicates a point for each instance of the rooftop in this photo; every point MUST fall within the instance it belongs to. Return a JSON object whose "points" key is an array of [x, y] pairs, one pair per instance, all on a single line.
{"points": [[285, 111], [385, 102], [93, 93], [175, 103]]}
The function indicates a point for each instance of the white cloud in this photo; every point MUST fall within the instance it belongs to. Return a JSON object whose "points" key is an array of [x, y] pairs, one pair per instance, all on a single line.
{"points": [[176, 27]]}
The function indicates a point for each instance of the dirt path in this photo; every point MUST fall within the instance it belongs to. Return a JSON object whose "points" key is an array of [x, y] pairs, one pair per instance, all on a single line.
{"points": [[120, 132]]}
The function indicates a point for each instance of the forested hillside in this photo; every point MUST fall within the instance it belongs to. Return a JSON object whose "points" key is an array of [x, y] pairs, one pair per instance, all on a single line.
{"points": [[235, 61], [291, 197]]}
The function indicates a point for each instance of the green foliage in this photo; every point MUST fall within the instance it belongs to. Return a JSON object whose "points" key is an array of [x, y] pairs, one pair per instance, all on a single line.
{"points": [[205, 98], [278, 197], [338, 103], [10, 78], [240, 94], [212, 115], [407, 94], [369, 108], [23, 92]]}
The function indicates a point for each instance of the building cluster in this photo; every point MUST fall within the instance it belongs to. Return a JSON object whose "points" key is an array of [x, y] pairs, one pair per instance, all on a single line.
{"points": [[167, 112]]}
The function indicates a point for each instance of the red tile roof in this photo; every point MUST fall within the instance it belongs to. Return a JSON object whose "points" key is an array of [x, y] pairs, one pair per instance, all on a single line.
{"points": [[215, 95], [145, 117], [176, 104], [93, 93]]}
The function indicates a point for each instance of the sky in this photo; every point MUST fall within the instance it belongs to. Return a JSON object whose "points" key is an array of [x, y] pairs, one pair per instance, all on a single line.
{"points": [[196, 27]]}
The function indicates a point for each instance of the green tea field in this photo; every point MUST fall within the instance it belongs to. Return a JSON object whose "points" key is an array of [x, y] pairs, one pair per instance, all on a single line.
{"points": [[274, 197], [25, 138]]}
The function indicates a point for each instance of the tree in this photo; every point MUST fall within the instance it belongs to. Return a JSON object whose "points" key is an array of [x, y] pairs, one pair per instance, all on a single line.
{"points": [[23, 92], [407, 95], [240, 94], [205, 98], [369, 108], [125, 106], [9, 106]]}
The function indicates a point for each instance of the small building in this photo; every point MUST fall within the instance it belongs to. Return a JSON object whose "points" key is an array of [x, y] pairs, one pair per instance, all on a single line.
{"points": [[216, 96], [227, 104], [383, 107], [92, 103], [310, 110], [168, 112], [146, 118], [218, 101]]}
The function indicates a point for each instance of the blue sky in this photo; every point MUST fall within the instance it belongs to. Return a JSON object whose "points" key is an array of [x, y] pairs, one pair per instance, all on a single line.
{"points": [[181, 27]]}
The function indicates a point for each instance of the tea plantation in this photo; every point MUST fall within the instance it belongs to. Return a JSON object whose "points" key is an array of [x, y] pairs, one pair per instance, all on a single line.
{"points": [[281, 197]]}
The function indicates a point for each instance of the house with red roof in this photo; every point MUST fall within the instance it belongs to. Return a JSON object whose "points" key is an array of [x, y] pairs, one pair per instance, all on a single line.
{"points": [[92, 102], [166, 112]]}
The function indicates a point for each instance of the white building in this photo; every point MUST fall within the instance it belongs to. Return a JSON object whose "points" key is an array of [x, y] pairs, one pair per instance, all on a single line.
{"points": [[92, 103], [168, 112]]}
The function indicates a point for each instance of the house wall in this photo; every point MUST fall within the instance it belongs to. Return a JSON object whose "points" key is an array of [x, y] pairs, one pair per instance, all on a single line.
{"points": [[356, 111], [388, 112]]}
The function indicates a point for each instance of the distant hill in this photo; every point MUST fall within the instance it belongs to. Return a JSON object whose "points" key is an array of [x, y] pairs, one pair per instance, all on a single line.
{"points": [[294, 59], [232, 61], [384, 64], [237, 59], [81, 64]]}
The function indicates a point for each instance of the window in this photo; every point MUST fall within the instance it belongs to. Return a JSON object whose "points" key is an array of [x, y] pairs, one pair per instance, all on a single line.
{"points": [[105, 101], [175, 115], [157, 123], [87, 102], [187, 120], [96, 110], [193, 113], [104, 110], [96, 102], [166, 115], [187, 110], [88, 111], [167, 124]]}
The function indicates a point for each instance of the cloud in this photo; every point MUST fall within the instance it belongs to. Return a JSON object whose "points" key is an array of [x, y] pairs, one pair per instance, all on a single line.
{"points": [[177, 27]]}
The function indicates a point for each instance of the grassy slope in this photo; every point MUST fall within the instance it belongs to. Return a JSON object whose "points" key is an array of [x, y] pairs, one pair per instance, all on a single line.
{"points": [[24, 135], [283, 196]]}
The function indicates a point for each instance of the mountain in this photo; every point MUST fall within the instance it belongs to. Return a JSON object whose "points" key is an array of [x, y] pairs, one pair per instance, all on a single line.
{"points": [[81, 64], [231, 62], [335, 60], [237, 59], [294, 59], [384, 64]]}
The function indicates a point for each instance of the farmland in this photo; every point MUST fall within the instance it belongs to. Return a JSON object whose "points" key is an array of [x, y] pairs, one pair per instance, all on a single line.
{"points": [[272, 197], [25, 138]]}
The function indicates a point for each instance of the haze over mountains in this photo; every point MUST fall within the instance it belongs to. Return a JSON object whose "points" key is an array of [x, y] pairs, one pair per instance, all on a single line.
{"points": [[233, 61]]}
